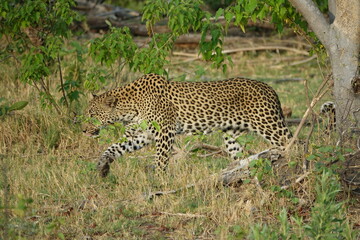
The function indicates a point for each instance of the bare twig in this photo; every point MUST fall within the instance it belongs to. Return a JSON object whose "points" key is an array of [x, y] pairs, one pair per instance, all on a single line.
{"points": [[152, 195], [62, 82], [188, 215], [206, 147], [355, 166], [211, 154], [319, 94], [5, 58], [312, 124], [47, 91], [299, 179], [303, 61]]}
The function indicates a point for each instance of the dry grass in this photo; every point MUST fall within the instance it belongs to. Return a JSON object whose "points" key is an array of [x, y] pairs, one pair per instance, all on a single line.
{"points": [[46, 158]]}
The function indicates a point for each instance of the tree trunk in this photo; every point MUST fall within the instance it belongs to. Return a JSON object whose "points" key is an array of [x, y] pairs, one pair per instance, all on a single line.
{"points": [[344, 64], [340, 34], [344, 58]]}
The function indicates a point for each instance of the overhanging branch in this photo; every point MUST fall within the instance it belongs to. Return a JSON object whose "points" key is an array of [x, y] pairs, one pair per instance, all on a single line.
{"points": [[315, 19]]}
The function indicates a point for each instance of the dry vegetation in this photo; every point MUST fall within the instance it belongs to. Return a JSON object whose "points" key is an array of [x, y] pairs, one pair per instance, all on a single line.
{"points": [[45, 158]]}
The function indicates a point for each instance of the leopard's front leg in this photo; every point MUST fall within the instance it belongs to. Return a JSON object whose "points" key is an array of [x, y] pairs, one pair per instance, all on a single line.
{"points": [[134, 141]]}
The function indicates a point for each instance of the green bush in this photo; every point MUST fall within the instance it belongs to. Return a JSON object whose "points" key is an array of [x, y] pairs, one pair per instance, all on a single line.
{"points": [[327, 217]]}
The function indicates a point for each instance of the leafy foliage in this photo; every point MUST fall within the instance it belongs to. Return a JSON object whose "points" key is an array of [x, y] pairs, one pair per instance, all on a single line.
{"points": [[36, 33], [323, 156], [117, 43], [17, 226], [6, 108], [183, 17], [37, 30], [328, 220]]}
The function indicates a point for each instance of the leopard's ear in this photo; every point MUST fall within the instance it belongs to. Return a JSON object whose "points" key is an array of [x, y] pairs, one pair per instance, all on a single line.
{"points": [[93, 95], [110, 101]]}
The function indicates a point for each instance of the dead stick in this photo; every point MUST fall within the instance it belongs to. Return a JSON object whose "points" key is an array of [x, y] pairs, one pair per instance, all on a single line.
{"points": [[303, 120], [207, 147], [151, 195], [317, 97], [183, 215], [211, 154], [303, 61], [299, 179]]}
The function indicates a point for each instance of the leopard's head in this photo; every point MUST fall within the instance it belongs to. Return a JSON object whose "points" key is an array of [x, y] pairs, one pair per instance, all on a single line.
{"points": [[100, 112]]}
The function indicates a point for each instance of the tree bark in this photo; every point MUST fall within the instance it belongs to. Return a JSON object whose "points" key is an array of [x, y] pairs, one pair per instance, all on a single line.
{"points": [[341, 37], [344, 58]]}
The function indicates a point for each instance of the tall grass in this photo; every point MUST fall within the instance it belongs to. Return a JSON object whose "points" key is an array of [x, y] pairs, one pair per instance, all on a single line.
{"points": [[49, 188]]}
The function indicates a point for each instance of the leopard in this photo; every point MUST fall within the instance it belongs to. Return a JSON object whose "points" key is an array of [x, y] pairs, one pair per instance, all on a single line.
{"points": [[230, 106]]}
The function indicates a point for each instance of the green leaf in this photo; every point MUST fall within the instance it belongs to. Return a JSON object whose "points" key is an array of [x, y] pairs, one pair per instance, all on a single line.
{"points": [[143, 125], [219, 13], [108, 23], [61, 236], [18, 105], [262, 14], [292, 163], [229, 16], [250, 7], [156, 125], [311, 157], [282, 12], [3, 110], [326, 149]]}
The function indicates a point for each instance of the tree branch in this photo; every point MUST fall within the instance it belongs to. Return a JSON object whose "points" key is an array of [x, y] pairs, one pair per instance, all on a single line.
{"points": [[62, 82], [315, 19]]}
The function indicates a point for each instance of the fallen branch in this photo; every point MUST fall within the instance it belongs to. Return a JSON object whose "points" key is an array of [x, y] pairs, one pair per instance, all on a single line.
{"points": [[238, 170], [246, 49], [233, 175], [263, 48]]}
